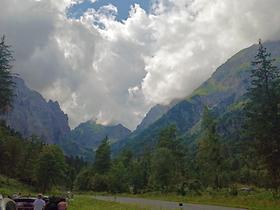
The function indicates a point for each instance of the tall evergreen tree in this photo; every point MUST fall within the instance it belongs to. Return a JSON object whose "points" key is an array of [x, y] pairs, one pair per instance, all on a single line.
{"points": [[169, 149], [209, 151], [263, 116], [168, 138], [6, 83], [51, 167], [102, 162], [163, 170]]}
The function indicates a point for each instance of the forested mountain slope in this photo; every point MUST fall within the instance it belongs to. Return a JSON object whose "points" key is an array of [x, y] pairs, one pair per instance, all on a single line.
{"points": [[90, 134], [223, 92]]}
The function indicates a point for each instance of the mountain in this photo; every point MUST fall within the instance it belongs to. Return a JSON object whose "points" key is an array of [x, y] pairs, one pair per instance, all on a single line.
{"points": [[153, 115], [90, 134], [223, 92], [33, 115]]}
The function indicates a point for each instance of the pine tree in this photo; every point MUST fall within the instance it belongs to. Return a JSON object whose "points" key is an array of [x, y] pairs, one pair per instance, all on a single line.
{"points": [[102, 162], [51, 167], [6, 83], [163, 170], [168, 138], [169, 149], [209, 154], [263, 119]]}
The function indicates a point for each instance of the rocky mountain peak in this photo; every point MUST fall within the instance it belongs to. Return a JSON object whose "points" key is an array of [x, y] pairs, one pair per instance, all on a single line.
{"points": [[33, 115]]}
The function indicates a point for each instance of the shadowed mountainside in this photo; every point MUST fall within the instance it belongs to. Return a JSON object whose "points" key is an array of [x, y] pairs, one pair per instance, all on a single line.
{"points": [[90, 134], [33, 115]]}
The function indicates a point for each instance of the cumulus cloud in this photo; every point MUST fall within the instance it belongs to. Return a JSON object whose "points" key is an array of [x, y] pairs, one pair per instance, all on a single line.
{"points": [[112, 71]]}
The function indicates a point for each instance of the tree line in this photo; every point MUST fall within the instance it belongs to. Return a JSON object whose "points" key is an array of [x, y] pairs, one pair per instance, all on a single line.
{"points": [[35, 163]]}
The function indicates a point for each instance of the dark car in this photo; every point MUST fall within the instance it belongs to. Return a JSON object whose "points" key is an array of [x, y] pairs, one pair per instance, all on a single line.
{"points": [[53, 202], [24, 203]]}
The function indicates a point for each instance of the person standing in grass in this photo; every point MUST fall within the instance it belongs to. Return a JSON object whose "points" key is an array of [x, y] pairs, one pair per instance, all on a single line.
{"points": [[39, 203]]}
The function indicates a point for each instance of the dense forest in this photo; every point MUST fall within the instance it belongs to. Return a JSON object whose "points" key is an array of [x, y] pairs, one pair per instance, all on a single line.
{"points": [[169, 166]]}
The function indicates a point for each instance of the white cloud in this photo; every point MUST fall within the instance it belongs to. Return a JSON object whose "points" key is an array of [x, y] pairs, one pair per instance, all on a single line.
{"points": [[115, 71]]}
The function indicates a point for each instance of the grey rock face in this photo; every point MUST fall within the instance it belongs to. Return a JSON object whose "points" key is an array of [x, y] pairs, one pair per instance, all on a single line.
{"points": [[33, 115], [153, 115]]}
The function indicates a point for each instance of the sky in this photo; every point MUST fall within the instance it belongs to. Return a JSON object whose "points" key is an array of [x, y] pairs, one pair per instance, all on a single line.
{"points": [[112, 60], [123, 6]]}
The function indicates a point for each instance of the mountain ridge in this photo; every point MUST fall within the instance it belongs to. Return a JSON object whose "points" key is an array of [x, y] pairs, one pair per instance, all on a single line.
{"points": [[224, 88], [90, 134]]}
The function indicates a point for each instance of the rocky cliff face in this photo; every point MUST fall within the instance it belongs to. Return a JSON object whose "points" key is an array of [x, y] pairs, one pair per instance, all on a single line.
{"points": [[33, 115]]}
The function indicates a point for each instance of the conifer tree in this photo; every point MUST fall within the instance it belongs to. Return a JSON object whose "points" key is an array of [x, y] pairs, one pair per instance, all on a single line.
{"points": [[209, 151], [171, 150], [6, 83], [51, 168], [102, 162], [263, 116]]}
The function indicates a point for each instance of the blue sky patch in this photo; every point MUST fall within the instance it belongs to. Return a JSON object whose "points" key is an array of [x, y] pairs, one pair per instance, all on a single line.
{"points": [[123, 6]]}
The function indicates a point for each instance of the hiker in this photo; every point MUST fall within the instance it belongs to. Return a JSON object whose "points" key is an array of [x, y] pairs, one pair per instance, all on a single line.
{"points": [[62, 205], [39, 203]]}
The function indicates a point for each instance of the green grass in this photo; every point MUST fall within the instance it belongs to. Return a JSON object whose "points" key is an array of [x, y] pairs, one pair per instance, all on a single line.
{"points": [[262, 200], [87, 202]]}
